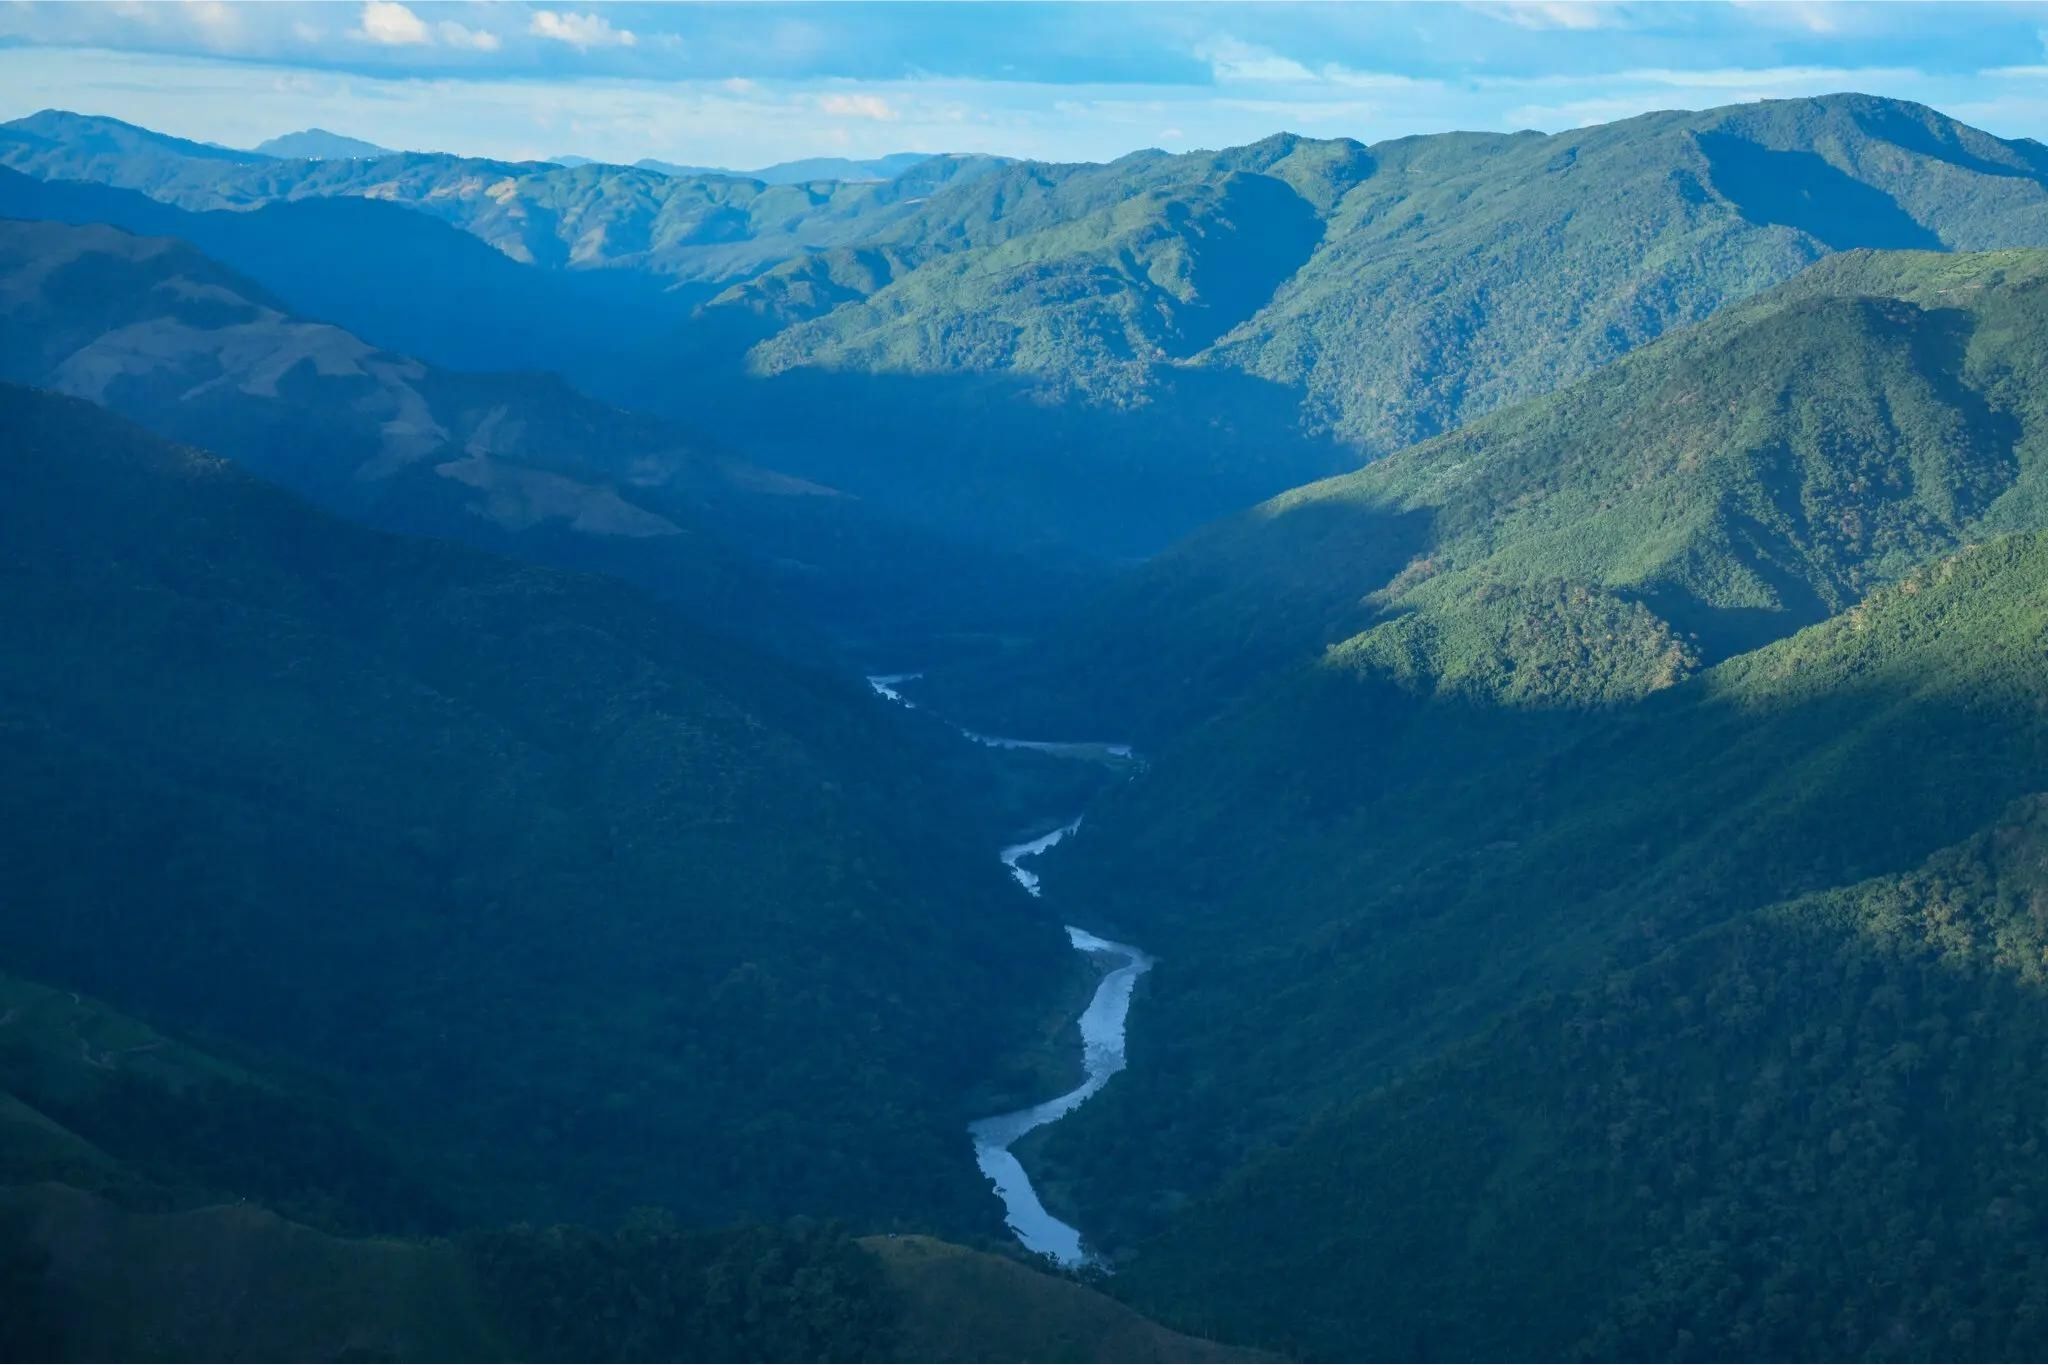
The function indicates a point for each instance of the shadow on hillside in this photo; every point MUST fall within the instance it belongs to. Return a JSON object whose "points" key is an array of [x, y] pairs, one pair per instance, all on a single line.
{"points": [[1384, 874], [1009, 462], [1157, 648], [1898, 126], [1800, 190], [394, 276]]}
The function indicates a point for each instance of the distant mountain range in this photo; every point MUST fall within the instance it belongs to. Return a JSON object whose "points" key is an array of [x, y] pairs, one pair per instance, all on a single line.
{"points": [[319, 144], [803, 171], [1095, 359], [1728, 658], [1582, 600]]}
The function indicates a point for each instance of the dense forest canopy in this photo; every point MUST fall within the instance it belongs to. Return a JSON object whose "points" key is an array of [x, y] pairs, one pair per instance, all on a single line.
{"points": [[1579, 602]]}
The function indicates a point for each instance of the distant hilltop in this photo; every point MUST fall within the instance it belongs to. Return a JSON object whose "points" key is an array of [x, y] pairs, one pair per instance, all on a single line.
{"points": [[785, 172], [317, 144]]}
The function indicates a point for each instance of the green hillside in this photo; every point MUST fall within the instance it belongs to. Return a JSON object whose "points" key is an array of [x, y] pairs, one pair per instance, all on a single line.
{"points": [[90, 1279], [1723, 487], [1532, 747], [141, 1180], [1404, 288], [519, 464], [1345, 875], [595, 908], [1473, 270], [1007, 348], [1812, 1133], [1291, 308], [683, 228]]}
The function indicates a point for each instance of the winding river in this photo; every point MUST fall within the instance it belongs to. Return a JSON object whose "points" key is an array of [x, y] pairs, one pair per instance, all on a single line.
{"points": [[1102, 1025]]}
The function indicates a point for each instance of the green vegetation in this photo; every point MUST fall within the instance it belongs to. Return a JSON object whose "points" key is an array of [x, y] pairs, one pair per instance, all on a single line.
{"points": [[520, 465], [1340, 302], [1007, 350], [678, 227], [962, 1304], [651, 1291], [1899, 415], [127, 1231], [1345, 875], [1811, 1133], [600, 910], [1424, 896], [1594, 853]]}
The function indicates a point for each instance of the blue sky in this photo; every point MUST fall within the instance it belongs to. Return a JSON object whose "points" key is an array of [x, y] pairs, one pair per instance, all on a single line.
{"points": [[747, 84]]}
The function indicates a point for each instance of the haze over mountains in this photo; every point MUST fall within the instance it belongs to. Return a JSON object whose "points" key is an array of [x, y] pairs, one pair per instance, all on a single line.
{"points": [[1581, 599], [1183, 334], [318, 144], [801, 171]]}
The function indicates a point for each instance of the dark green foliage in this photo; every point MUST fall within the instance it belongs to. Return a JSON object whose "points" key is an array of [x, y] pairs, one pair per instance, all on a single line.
{"points": [[400, 279], [219, 1137], [32, 1327], [591, 906], [518, 464], [1346, 875], [1172, 336], [1814, 1133], [1740, 480], [1594, 854], [652, 1291]]}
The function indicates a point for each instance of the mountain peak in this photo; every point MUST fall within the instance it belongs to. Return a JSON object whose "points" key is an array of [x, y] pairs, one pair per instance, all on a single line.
{"points": [[318, 144], [102, 133]]}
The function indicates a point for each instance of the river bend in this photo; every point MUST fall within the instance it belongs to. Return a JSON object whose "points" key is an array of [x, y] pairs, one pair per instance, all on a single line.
{"points": [[1101, 1024]]}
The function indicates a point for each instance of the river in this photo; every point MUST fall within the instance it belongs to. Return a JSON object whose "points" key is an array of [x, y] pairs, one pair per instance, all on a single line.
{"points": [[1101, 1024]]}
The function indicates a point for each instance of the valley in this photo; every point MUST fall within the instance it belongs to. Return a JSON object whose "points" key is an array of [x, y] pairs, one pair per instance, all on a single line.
{"points": [[1530, 841], [1101, 1024]]}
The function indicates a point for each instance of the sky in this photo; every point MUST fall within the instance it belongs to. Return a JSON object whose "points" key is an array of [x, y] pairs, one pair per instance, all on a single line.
{"points": [[744, 85]]}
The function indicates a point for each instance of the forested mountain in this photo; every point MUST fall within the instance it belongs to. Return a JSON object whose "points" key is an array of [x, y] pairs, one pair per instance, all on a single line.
{"points": [[592, 215], [318, 144], [1550, 811], [1810, 1133], [397, 278], [140, 1186], [150, 327], [806, 169], [1378, 295], [1581, 601], [520, 464], [1719, 489], [1006, 348], [1366, 874], [562, 884]]}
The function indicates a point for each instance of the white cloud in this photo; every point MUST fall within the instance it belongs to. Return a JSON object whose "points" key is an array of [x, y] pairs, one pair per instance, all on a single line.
{"points": [[580, 31], [1818, 79], [461, 35], [858, 106], [1231, 60], [1635, 92], [1580, 15], [392, 25], [705, 120], [213, 16], [1234, 62], [1812, 16]]}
